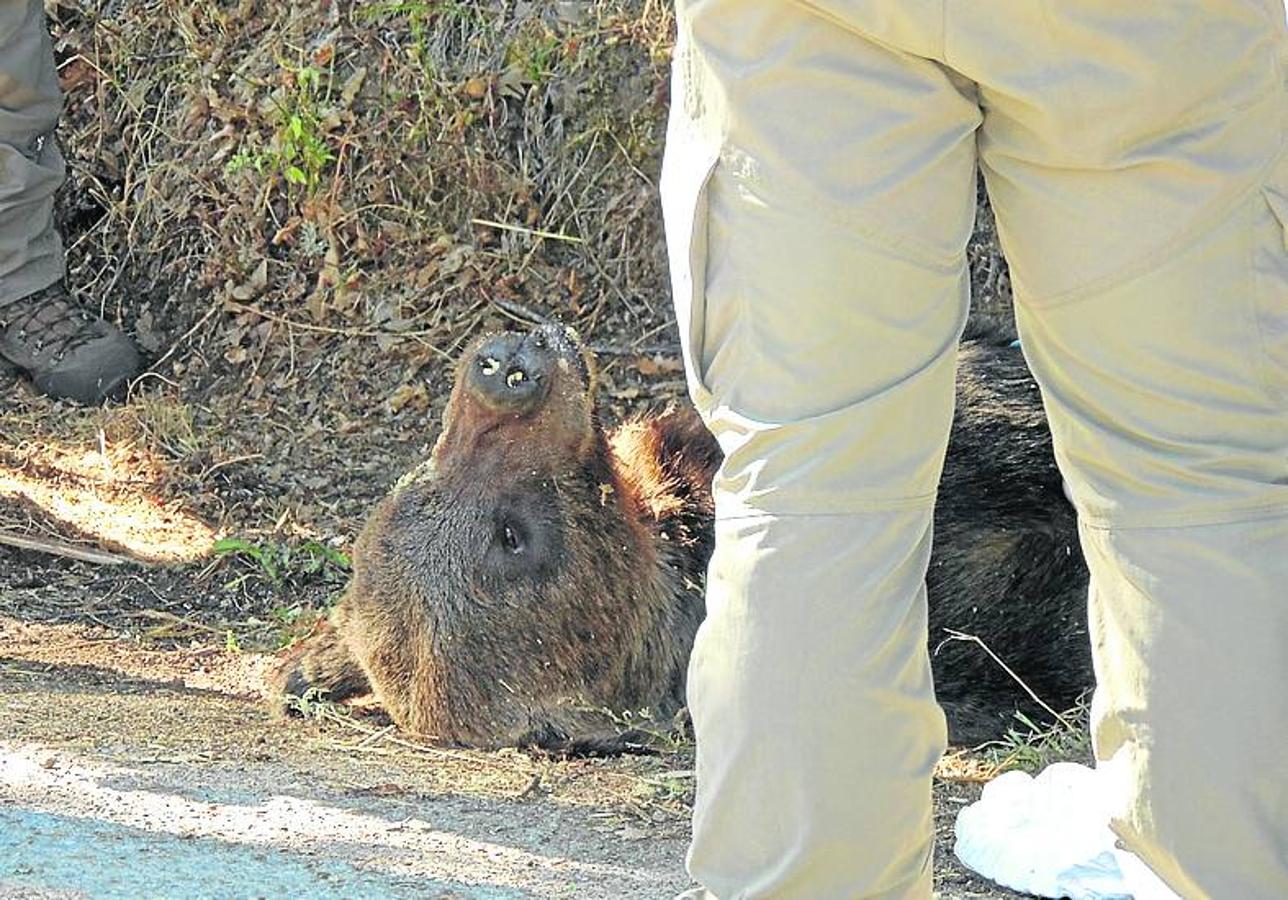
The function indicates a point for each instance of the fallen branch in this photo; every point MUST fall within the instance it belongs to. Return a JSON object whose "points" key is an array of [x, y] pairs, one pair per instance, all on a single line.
{"points": [[62, 548], [525, 315], [172, 622]]}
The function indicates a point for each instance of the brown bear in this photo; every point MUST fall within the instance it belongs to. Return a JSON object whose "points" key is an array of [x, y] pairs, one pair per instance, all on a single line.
{"points": [[536, 577], [538, 580]]}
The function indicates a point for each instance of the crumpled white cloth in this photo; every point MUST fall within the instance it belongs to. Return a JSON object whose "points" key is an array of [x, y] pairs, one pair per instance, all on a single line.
{"points": [[1050, 836]]}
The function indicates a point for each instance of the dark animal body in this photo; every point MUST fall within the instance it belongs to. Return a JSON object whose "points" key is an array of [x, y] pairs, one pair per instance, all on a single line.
{"points": [[538, 581], [1005, 566]]}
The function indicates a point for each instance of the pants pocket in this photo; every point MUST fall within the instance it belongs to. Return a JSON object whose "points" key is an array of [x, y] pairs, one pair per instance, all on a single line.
{"points": [[687, 169], [1270, 264]]}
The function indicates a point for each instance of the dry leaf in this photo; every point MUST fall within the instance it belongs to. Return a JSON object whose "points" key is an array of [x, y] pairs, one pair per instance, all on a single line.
{"points": [[352, 84], [76, 73], [253, 286], [658, 365], [287, 232], [408, 395]]}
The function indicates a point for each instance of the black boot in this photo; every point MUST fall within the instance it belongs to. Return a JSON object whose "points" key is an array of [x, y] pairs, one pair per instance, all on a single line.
{"points": [[67, 352]]}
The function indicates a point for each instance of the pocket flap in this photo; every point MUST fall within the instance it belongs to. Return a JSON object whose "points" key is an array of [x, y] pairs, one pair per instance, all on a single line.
{"points": [[1278, 201]]}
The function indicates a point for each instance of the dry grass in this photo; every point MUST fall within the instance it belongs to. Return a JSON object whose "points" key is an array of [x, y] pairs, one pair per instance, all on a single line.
{"points": [[301, 213], [383, 169]]}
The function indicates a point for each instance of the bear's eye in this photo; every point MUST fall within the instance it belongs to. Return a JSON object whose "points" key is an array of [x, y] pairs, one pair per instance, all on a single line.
{"points": [[511, 539], [522, 540]]}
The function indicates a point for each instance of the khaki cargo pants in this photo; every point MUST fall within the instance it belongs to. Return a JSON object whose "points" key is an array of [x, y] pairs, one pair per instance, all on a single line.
{"points": [[31, 168], [818, 191]]}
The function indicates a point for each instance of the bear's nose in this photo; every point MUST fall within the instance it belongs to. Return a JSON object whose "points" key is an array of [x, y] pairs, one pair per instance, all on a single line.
{"points": [[510, 372]]}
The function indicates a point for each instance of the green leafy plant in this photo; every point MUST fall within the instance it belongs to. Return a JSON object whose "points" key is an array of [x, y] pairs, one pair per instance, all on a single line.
{"points": [[535, 53], [262, 555], [313, 705], [280, 562], [1032, 747], [425, 20], [299, 150]]}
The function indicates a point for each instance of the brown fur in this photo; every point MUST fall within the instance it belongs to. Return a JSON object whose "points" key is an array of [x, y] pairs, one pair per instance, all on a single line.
{"points": [[461, 642]]}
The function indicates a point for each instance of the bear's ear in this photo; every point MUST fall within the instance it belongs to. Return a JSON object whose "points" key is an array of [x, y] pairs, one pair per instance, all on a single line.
{"points": [[687, 450], [425, 472], [665, 465]]}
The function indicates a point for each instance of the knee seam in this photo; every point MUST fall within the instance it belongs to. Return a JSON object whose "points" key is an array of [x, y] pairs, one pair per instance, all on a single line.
{"points": [[818, 507], [1154, 260], [1240, 515]]}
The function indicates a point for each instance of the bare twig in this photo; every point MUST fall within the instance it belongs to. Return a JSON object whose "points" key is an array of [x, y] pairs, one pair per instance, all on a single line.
{"points": [[62, 548], [974, 639], [531, 232], [187, 334], [519, 312], [173, 621], [323, 329]]}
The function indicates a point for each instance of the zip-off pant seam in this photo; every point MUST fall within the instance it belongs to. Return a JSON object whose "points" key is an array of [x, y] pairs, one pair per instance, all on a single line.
{"points": [[1098, 523]]}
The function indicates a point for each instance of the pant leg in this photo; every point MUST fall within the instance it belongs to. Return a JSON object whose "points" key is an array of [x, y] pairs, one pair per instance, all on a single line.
{"points": [[31, 168], [818, 194], [1135, 158]]}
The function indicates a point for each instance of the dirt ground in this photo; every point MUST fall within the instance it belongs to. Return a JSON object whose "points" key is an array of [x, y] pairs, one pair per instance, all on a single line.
{"points": [[301, 215], [129, 770]]}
